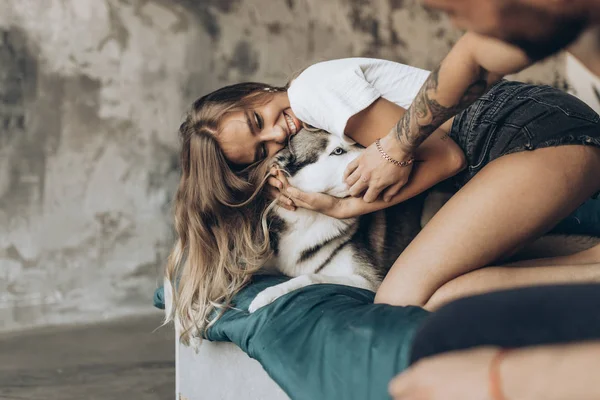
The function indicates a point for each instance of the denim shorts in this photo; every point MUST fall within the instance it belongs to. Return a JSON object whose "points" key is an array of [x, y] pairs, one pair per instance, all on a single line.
{"points": [[515, 116]]}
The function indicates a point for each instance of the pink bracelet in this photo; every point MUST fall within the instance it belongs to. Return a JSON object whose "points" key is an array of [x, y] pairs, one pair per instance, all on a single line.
{"points": [[390, 159]]}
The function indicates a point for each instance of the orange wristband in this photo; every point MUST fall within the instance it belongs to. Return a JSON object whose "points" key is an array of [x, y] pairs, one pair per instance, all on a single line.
{"points": [[496, 392]]}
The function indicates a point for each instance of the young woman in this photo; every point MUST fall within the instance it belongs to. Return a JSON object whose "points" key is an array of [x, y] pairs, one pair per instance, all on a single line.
{"points": [[524, 155]]}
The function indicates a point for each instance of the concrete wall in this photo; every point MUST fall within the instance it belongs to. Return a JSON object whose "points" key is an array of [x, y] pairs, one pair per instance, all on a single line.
{"points": [[91, 94]]}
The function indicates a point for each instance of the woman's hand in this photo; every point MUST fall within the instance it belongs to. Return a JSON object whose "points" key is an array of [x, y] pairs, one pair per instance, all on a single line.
{"points": [[373, 173], [289, 198], [279, 183], [460, 375], [336, 207], [325, 204]]}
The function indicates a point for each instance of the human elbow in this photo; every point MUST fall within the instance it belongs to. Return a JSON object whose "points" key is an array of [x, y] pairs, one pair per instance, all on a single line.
{"points": [[456, 160]]}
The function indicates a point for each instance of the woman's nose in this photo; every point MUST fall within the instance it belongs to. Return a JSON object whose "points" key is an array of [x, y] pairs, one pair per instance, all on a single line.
{"points": [[276, 134]]}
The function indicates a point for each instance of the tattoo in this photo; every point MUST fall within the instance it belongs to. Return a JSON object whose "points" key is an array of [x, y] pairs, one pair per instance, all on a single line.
{"points": [[445, 137], [426, 114]]}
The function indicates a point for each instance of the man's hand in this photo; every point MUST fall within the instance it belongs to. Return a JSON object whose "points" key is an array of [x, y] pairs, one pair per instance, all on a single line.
{"points": [[460, 375], [372, 173]]}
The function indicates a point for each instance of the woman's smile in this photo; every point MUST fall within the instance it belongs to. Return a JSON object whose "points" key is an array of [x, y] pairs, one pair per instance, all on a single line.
{"points": [[293, 123]]}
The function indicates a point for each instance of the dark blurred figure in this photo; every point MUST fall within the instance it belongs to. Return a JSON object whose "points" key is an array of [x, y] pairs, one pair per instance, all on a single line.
{"points": [[540, 27]]}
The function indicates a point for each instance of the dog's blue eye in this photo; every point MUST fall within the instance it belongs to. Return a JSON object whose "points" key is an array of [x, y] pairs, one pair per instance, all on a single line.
{"points": [[338, 151]]}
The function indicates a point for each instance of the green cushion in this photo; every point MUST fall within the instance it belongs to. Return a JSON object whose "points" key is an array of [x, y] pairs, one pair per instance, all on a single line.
{"points": [[323, 341]]}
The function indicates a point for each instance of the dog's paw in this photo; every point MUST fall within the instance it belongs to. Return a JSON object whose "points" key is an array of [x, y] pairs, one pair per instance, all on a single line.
{"points": [[265, 297]]}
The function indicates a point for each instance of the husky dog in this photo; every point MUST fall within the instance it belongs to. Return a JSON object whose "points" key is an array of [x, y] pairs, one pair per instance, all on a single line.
{"points": [[313, 248]]}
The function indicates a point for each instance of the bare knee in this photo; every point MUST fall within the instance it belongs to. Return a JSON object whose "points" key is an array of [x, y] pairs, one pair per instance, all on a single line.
{"points": [[405, 291]]}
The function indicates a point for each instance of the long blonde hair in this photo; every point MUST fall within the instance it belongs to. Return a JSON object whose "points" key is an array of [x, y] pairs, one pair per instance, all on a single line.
{"points": [[219, 210]]}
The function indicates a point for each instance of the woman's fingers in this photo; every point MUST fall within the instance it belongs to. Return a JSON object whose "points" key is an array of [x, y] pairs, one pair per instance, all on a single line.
{"points": [[282, 200], [392, 191], [372, 193], [319, 202], [286, 202], [278, 183], [353, 178], [311, 201], [282, 178], [350, 168], [275, 183], [359, 186], [300, 198], [277, 175]]}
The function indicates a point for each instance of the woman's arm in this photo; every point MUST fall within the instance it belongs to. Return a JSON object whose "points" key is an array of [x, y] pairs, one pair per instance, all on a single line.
{"points": [[490, 279], [473, 64], [376, 121]]}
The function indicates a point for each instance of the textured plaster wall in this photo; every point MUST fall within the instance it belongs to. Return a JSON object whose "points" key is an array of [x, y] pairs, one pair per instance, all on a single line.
{"points": [[91, 94]]}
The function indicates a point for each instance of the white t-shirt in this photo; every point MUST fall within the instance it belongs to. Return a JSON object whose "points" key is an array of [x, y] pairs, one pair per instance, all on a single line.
{"points": [[327, 94]]}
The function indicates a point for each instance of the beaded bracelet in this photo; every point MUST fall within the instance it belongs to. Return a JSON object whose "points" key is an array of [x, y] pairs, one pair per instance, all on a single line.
{"points": [[390, 159]]}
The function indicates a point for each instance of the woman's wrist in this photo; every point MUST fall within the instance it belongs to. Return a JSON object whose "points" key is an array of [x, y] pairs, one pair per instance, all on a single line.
{"points": [[395, 149]]}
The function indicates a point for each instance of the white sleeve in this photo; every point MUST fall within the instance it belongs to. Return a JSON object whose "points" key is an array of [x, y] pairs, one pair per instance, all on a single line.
{"points": [[327, 94]]}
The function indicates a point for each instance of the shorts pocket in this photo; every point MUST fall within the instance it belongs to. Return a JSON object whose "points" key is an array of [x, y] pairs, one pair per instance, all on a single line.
{"points": [[484, 152]]}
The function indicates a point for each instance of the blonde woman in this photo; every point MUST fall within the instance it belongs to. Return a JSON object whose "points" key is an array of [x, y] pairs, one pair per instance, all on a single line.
{"points": [[524, 157]]}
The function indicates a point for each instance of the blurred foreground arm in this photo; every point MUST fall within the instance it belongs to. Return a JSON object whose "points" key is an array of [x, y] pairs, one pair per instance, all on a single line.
{"points": [[551, 372]]}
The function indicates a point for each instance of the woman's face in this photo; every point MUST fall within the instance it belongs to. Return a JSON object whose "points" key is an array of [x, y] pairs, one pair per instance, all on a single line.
{"points": [[256, 134]]}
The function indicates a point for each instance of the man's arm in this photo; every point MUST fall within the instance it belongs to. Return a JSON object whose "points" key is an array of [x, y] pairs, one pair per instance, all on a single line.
{"points": [[550, 372]]}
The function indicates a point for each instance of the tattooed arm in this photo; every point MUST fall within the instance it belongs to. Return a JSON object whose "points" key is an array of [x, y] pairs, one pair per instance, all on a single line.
{"points": [[471, 67], [473, 64]]}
